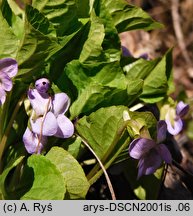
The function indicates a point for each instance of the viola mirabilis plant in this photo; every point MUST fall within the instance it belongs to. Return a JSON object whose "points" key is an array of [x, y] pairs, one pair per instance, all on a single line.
{"points": [[47, 118], [44, 150]]}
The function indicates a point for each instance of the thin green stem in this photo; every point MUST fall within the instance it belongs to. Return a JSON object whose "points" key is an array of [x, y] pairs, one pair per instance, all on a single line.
{"points": [[42, 124], [3, 114], [9, 126], [103, 169], [164, 173], [1, 123], [109, 162]]}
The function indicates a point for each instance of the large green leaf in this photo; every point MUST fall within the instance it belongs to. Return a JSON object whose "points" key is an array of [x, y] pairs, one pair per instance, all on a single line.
{"points": [[105, 131], [95, 96], [140, 68], [71, 48], [83, 8], [14, 16], [3, 176], [38, 43], [48, 182], [40, 22], [92, 49], [76, 183], [102, 128], [157, 76], [101, 85], [62, 13], [106, 74], [134, 89], [73, 146], [128, 17], [159, 82], [98, 85], [9, 42], [111, 43]]}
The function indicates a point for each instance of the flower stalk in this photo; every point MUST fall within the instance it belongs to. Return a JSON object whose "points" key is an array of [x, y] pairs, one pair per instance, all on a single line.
{"points": [[42, 124], [9, 126], [103, 168]]}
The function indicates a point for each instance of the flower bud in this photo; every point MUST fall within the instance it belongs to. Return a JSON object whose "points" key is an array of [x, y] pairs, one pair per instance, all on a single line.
{"points": [[42, 85]]}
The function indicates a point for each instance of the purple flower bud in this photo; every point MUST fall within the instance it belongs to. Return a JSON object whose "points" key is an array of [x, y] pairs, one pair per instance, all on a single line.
{"points": [[42, 85]]}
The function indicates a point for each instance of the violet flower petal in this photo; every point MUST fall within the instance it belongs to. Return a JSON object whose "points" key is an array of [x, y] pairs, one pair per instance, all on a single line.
{"points": [[140, 147], [65, 127], [164, 152], [31, 142], [5, 81], [126, 52], [141, 168], [42, 85], [49, 127], [182, 109], [38, 102], [144, 56], [2, 96], [152, 162], [161, 131], [149, 164], [61, 103], [9, 66], [176, 128]]}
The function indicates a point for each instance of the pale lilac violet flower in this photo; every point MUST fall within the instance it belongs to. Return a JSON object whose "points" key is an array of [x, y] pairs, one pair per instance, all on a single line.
{"points": [[150, 153], [48, 117], [31, 141], [8, 69], [174, 117], [55, 123]]}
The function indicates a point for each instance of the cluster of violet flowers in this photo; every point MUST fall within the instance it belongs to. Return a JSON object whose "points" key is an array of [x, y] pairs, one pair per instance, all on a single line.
{"points": [[47, 118], [151, 153]]}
